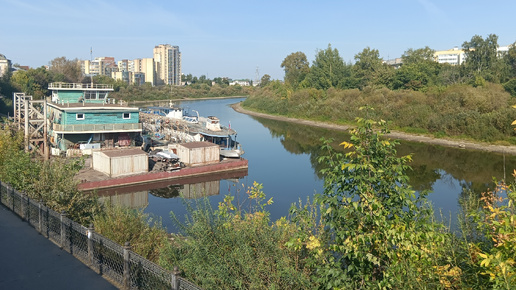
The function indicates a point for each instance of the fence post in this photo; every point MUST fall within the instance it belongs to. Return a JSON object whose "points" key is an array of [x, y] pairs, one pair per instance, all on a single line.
{"points": [[175, 278], [27, 207], [63, 230], [127, 274], [90, 244], [47, 223], [40, 217], [22, 206], [12, 198]]}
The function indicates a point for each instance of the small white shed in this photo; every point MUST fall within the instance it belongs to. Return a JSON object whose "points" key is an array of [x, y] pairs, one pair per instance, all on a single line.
{"points": [[120, 162], [197, 153]]}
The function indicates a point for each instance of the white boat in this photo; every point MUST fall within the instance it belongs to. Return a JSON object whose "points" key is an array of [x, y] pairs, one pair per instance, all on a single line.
{"points": [[202, 129]]}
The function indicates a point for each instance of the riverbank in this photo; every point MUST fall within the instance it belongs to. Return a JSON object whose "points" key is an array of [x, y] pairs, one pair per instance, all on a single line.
{"points": [[511, 150]]}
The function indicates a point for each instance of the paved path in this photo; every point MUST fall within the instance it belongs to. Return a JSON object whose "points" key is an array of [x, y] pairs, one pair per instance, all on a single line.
{"points": [[29, 261]]}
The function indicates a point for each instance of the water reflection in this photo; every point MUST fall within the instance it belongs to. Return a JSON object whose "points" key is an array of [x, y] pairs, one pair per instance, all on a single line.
{"points": [[136, 196], [443, 171]]}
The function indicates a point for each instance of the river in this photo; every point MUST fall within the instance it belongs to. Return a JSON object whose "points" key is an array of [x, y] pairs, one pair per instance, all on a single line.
{"points": [[283, 157]]}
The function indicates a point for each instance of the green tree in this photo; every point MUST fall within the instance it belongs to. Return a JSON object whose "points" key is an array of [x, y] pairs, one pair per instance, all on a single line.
{"points": [[328, 69], [418, 55], [66, 70], [418, 71], [511, 58], [369, 68], [296, 68], [265, 80], [482, 57], [379, 234]]}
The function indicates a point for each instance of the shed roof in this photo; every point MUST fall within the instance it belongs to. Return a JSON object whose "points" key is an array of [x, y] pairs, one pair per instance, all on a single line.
{"points": [[123, 152], [201, 144]]}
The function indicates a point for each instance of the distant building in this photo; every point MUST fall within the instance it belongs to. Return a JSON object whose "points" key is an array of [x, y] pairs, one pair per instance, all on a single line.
{"points": [[167, 64], [144, 66], [240, 82], [396, 63], [454, 56], [132, 78], [5, 65], [99, 66]]}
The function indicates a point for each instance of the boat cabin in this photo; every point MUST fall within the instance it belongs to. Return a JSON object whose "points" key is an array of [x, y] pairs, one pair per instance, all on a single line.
{"points": [[81, 116]]}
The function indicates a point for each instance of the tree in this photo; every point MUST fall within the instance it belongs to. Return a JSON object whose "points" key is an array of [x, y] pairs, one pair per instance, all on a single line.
{"points": [[67, 70], [418, 70], [419, 55], [328, 69], [296, 67], [369, 68], [377, 230], [266, 79], [481, 56]]}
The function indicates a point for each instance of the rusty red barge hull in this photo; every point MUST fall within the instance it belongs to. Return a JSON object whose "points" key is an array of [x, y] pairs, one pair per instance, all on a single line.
{"points": [[195, 171]]}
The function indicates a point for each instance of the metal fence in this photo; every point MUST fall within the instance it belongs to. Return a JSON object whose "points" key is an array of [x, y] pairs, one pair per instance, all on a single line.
{"points": [[116, 263]]}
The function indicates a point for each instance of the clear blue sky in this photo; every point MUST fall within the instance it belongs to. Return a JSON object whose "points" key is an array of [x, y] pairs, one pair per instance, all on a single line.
{"points": [[234, 38]]}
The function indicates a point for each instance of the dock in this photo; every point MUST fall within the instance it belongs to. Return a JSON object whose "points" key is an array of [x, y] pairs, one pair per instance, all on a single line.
{"points": [[224, 166]]}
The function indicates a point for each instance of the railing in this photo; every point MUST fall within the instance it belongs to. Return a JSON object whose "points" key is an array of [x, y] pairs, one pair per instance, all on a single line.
{"points": [[97, 127], [117, 264], [79, 86]]}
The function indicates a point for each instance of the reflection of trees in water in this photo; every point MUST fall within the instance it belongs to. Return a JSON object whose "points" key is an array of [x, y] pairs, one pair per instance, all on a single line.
{"points": [[170, 191], [475, 168]]}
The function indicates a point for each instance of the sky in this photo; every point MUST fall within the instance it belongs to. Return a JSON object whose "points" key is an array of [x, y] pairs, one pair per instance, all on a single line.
{"points": [[242, 39]]}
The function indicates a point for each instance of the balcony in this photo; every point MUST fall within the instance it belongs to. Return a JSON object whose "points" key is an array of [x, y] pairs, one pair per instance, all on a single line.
{"points": [[78, 86], [96, 128]]}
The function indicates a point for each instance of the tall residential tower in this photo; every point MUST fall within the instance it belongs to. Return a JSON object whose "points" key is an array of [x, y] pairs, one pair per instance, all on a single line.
{"points": [[167, 59]]}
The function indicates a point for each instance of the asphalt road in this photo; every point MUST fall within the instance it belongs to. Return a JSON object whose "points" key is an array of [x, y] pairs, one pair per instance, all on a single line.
{"points": [[29, 261]]}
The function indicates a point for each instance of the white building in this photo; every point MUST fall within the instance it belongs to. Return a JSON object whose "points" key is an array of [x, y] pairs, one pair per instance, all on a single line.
{"points": [[454, 56], [5, 65]]}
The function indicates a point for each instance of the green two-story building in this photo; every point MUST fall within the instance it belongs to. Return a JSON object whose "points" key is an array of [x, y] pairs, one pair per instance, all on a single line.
{"points": [[81, 116]]}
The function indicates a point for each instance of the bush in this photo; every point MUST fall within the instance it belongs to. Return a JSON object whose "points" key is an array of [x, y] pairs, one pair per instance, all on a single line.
{"points": [[145, 234], [229, 248]]}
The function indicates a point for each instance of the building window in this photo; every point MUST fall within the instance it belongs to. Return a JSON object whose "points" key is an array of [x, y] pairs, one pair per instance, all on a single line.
{"points": [[79, 116], [89, 95], [127, 115]]}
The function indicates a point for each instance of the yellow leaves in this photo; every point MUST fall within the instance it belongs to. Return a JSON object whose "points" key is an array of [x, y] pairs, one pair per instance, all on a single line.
{"points": [[313, 243], [346, 145], [448, 276]]}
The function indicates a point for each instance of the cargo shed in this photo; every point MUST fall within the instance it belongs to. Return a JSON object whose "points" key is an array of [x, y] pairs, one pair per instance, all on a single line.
{"points": [[120, 162], [197, 153]]}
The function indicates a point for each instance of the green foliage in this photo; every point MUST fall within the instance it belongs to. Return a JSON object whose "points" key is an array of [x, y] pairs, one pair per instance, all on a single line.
{"points": [[381, 234], [510, 87], [482, 113], [296, 68], [230, 248], [327, 69], [145, 234], [493, 244], [48, 181]]}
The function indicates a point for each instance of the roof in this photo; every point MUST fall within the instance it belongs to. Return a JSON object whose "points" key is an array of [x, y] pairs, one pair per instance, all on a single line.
{"points": [[122, 152], [90, 106], [194, 145]]}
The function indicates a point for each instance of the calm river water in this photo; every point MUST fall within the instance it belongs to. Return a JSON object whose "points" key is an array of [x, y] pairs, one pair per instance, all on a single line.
{"points": [[283, 157]]}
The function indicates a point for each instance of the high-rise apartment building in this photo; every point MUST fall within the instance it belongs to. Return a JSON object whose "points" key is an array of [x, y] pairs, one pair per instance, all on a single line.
{"points": [[145, 66], [167, 60]]}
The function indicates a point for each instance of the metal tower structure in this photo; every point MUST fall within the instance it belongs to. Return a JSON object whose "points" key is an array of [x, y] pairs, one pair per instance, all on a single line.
{"points": [[257, 77], [31, 115]]}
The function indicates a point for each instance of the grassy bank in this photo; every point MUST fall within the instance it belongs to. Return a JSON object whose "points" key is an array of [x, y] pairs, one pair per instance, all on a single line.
{"points": [[460, 111]]}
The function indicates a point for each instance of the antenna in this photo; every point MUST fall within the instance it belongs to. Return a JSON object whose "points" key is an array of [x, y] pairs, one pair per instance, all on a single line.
{"points": [[257, 76], [91, 61]]}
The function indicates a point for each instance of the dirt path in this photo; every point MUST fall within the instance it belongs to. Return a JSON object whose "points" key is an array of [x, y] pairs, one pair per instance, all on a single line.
{"points": [[511, 150]]}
